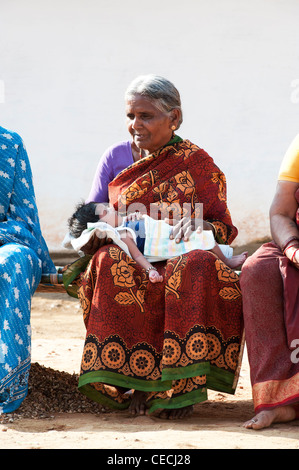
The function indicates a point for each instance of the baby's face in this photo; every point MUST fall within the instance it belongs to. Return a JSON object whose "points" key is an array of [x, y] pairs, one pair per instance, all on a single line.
{"points": [[109, 215]]}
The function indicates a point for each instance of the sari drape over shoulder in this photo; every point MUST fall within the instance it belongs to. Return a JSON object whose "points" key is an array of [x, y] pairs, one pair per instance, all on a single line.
{"points": [[176, 338]]}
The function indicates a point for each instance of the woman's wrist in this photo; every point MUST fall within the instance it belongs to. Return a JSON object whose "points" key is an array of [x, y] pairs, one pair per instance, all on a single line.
{"points": [[212, 227], [290, 248], [291, 241], [291, 252]]}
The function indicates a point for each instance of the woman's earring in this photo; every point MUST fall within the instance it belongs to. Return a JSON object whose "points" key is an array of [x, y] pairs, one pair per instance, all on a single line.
{"points": [[173, 128]]}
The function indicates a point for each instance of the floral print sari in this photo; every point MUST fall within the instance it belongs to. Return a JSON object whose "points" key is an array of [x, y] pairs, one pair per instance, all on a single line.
{"points": [[173, 339]]}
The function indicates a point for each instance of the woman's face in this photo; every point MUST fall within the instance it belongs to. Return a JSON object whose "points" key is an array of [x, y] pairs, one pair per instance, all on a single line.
{"points": [[149, 127]]}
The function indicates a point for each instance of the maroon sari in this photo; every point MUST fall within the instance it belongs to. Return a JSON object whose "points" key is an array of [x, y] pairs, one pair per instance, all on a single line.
{"points": [[172, 339], [270, 285]]}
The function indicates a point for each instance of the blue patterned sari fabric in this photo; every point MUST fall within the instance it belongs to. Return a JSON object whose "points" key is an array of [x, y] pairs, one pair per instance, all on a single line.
{"points": [[24, 257]]}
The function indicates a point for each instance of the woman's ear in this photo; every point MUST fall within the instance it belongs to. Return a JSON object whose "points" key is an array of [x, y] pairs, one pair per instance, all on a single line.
{"points": [[174, 118]]}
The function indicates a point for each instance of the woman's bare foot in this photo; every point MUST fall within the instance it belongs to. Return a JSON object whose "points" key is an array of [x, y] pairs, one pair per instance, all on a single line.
{"points": [[178, 413], [138, 403], [264, 419], [236, 260]]}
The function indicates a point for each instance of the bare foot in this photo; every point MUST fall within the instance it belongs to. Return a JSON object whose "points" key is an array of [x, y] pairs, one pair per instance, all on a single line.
{"points": [[264, 419], [138, 403], [237, 260], [178, 413]]}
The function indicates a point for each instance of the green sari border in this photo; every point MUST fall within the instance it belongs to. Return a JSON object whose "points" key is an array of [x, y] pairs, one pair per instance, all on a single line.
{"points": [[188, 399], [218, 380], [98, 397], [221, 381], [112, 378], [176, 373]]}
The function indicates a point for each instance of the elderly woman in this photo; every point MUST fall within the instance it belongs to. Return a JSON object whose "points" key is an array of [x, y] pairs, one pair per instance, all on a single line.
{"points": [[269, 281], [170, 341], [23, 258]]}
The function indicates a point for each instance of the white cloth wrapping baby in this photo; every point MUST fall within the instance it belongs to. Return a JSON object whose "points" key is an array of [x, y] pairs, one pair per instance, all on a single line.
{"points": [[101, 230], [157, 246]]}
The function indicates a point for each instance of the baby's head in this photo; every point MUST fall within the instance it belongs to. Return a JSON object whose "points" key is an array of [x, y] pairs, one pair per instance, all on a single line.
{"points": [[92, 212]]}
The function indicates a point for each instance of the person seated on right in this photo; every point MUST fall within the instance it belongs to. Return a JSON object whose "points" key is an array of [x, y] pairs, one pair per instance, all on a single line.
{"points": [[269, 283]]}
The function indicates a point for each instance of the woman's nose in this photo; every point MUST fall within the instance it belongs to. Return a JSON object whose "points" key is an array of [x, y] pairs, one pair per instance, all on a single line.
{"points": [[136, 123]]}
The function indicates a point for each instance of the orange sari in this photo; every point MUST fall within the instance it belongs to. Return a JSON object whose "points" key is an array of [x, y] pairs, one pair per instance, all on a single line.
{"points": [[176, 338]]}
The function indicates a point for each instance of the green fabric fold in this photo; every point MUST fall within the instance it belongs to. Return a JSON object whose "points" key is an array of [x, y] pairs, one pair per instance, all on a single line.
{"points": [[73, 271]]}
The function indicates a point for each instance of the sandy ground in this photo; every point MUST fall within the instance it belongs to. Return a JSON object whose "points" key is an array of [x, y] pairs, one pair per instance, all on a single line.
{"points": [[57, 339], [57, 342]]}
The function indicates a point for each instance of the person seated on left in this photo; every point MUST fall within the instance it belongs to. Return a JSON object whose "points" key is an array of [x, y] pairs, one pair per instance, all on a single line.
{"points": [[24, 256]]}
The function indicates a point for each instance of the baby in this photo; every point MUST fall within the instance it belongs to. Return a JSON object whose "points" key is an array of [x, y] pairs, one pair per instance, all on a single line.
{"points": [[103, 212]]}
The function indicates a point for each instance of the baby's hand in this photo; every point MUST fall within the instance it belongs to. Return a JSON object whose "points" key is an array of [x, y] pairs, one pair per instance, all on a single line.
{"points": [[154, 276]]}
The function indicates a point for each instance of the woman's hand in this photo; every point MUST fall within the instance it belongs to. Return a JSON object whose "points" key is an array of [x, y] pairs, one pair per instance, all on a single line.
{"points": [[292, 252], [183, 228], [296, 259], [94, 244]]}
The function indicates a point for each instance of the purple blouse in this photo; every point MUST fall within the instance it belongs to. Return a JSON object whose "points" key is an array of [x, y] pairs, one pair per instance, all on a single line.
{"points": [[115, 159]]}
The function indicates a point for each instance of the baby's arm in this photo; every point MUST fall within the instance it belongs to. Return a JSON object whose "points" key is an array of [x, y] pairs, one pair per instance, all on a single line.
{"points": [[137, 256]]}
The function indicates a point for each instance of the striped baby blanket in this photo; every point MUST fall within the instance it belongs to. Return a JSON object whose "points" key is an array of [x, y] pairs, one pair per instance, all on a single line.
{"points": [[159, 247]]}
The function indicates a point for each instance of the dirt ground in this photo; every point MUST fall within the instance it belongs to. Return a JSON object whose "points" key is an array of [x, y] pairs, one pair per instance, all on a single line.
{"points": [[57, 342]]}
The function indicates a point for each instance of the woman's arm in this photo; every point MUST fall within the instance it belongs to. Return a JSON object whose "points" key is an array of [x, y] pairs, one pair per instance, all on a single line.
{"points": [[282, 219]]}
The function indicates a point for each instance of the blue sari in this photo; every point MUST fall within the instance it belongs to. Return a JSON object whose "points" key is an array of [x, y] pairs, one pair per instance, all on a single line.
{"points": [[23, 257]]}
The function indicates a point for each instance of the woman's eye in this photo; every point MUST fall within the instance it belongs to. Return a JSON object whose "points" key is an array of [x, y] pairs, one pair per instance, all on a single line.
{"points": [[143, 117]]}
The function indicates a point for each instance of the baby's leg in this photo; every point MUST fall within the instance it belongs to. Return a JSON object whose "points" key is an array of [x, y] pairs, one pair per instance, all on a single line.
{"points": [[232, 262]]}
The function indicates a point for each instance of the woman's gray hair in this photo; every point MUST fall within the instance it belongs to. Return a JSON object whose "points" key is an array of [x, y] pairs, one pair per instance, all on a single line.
{"points": [[161, 91]]}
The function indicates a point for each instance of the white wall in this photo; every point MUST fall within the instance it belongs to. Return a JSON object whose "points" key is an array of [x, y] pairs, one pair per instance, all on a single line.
{"points": [[65, 65]]}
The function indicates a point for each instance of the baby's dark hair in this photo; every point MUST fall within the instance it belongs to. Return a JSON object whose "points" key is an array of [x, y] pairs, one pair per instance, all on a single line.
{"points": [[83, 214]]}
